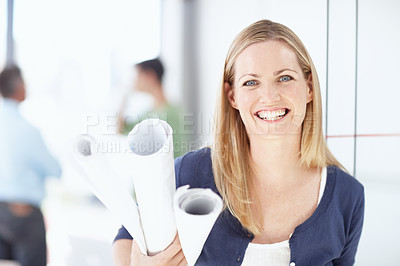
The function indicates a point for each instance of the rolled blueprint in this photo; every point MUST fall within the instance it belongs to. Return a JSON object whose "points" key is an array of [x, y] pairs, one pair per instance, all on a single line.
{"points": [[103, 181], [153, 172], [196, 211]]}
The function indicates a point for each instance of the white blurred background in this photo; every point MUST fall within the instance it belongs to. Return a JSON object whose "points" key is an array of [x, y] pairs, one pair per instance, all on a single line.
{"points": [[77, 59]]}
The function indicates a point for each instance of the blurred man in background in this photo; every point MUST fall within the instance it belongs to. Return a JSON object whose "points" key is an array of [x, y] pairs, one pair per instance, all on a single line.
{"points": [[25, 162], [149, 75]]}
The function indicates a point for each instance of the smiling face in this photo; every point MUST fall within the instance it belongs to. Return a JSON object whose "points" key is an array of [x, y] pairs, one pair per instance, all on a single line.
{"points": [[269, 89]]}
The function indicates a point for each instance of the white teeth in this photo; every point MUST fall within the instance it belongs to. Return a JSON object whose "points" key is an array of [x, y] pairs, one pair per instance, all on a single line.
{"points": [[271, 115]]}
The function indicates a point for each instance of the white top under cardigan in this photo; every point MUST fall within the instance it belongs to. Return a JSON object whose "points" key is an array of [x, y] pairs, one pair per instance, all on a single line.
{"points": [[276, 254]]}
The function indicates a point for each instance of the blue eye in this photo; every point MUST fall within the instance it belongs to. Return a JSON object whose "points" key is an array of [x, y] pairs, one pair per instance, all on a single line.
{"points": [[250, 83], [285, 78]]}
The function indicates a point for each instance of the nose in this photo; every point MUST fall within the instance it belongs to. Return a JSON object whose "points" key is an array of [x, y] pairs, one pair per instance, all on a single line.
{"points": [[269, 93]]}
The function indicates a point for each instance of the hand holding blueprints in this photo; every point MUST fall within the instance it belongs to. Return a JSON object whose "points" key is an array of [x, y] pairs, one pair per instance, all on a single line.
{"points": [[161, 210]]}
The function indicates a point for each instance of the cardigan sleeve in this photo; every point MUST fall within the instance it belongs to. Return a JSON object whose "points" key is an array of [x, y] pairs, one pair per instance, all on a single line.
{"points": [[177, 171], [347, 256], [123, 234]]}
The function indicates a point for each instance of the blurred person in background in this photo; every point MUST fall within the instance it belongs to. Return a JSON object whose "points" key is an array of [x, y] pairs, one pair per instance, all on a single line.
{"points": [[149, 75], [25, 162]]}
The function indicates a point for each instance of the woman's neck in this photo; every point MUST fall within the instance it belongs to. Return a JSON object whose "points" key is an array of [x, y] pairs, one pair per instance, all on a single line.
{"points": [[276, 161]]}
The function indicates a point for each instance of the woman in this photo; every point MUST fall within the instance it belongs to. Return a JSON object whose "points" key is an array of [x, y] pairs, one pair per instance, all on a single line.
{"points": [[288, 201]]}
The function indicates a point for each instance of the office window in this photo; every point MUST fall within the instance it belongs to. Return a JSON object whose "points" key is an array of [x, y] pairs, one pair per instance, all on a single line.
{"points": [[77, 56], [3, 32]]}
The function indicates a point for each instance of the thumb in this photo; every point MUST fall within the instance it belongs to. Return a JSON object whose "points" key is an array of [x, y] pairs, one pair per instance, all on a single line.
{"points": [[135, 249]]}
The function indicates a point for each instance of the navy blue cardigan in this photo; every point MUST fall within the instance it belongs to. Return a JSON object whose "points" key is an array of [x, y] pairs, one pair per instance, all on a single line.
{"points": [[329, 237]]}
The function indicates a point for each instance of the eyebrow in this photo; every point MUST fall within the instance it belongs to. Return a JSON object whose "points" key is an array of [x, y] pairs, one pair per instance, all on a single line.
{"points": [[249, 74], [276, 73]]}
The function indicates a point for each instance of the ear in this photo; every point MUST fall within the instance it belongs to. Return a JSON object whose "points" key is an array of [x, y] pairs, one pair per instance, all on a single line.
{"points": [[150, 74], [309, 89], [230, 94]]}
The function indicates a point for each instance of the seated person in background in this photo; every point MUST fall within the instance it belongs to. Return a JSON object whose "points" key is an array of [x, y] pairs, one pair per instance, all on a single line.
{"points": [[149, 76], [25, 162]]}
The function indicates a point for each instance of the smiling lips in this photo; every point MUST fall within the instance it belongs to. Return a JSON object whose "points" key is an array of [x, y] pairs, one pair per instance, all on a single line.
{"points": [[272, 115]]}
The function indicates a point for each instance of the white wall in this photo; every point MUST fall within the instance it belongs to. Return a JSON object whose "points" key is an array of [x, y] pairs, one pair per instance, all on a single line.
{"points": [[378, 55], [171, 48], [378, 90], [3, 32], [341, 80]]}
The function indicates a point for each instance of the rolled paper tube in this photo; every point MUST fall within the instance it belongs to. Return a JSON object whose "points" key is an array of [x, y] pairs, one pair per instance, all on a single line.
{"points": [[103, 182], [196, 211], [152, 165]]}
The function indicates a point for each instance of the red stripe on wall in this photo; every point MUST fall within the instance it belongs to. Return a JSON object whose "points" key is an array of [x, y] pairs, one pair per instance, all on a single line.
{"points": [[364, 135]]}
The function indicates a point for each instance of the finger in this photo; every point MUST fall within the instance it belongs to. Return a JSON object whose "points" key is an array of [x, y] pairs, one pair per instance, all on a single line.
{"points": [[183, 262], [173, 249], [177, 258], [135, 246], [176, 239], [136, 250]]}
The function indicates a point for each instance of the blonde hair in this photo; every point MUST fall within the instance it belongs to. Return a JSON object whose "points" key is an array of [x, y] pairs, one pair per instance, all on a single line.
{"points": [[230, 151]]}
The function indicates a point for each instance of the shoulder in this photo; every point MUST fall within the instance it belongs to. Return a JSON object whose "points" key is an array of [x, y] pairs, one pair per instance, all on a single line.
{"points": [[174, 107], [19, 127], [348, 192], [195, 169], [346, 214], [345, 183], [201, 156]]}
